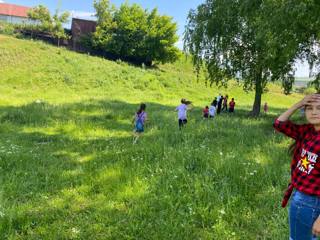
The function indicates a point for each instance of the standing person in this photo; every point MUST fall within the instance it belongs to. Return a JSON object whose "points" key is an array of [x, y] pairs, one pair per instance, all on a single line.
{"points": [[225, 103], [265, 108], [139, 121], [212, 110], [215, 102], [232, 104], [219, 104], [182, 112], [218, 97], [304, 212], [205, 112]]}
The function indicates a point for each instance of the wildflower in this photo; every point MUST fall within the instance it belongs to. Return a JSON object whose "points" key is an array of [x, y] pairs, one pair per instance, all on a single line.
{"points": [[75, 230], [222, 212]]}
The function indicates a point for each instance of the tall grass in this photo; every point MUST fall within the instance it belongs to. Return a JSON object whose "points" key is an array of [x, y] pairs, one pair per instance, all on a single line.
{"points": [[69, 169]]}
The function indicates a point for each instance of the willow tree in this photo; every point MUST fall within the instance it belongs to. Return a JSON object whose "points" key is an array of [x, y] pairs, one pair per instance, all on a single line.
{"points": [[243, 40]]}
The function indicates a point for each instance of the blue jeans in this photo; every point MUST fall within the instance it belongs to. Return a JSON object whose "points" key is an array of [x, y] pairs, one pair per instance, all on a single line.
{"points": [[304, 210]]}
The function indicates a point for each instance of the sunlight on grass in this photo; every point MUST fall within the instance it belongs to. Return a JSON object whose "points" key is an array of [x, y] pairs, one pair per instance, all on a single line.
{"points": [[69, 169]]}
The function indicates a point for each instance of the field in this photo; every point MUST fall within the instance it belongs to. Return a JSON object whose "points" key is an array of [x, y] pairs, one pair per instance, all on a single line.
{"points": [[69, 169]]}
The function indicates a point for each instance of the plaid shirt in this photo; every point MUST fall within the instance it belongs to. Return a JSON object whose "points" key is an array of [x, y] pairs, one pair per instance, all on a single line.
{"points": [[305, 166]]}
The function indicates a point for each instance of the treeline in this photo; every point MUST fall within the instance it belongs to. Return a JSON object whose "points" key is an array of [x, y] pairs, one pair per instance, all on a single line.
{"points": [[129, 32]]}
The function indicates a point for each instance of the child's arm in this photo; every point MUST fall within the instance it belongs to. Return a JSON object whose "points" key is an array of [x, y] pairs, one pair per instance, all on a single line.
{"points": [[287, 127], [307, 100]]}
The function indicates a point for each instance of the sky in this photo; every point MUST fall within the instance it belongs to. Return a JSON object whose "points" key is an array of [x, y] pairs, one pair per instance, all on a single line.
{"points": [[178, 9]]}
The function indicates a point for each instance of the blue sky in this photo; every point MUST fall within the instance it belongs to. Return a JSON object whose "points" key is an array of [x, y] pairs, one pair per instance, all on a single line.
{"points": [[178, 9]]}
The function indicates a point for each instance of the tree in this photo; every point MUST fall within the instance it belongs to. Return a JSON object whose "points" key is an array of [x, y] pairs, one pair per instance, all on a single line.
{"points": [[42, 18], [47, 23], [57, 28], [244, 40], [134, 34]]}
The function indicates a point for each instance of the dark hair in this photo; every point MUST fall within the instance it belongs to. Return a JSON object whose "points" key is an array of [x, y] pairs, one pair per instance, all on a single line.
{"points": [[214, 102], [207, 107], [185, 101], [142, 108]]}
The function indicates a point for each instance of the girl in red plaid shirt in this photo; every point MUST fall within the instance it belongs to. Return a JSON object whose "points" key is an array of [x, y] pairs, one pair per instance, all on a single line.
{"points": [[304, 212]]}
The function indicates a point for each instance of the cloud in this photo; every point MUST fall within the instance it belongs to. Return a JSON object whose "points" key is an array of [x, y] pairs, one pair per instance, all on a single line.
{"points": [[81, 14]]}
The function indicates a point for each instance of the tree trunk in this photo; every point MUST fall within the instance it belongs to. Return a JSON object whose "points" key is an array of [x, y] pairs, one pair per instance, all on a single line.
{"points": [[257, 99]]}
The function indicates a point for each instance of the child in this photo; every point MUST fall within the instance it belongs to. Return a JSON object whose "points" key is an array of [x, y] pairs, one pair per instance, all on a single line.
{"points": [[212, 110], [265, 108], [225, 104], [232, 103], [139, 120], [220, 100], [304, 213], [182, 112], [205, 112]]}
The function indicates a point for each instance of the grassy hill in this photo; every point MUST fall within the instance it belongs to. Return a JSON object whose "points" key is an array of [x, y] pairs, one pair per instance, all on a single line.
{"points": [[69, 169]]}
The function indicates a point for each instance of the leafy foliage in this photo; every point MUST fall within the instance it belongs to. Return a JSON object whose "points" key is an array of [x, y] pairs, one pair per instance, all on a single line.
{"points": [[133, 33], [253, 41], [47, 23]]}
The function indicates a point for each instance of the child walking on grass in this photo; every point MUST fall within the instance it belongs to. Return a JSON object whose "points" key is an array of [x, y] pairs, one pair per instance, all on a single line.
{"points": [[205, 112], [212, 109], [139, 121], [232, 104], [182, 112], [304, 212]]}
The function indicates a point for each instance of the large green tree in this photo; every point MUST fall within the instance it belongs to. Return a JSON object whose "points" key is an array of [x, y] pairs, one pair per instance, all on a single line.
{"points": [[131, 32], [249, 40]]}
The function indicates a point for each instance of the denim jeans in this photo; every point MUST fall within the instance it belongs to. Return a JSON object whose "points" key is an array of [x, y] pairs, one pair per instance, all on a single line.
{"points": [[304, 210]]}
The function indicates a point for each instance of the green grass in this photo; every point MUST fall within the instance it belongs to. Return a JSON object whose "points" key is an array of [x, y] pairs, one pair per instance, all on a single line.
{"points": [[69, 169]]}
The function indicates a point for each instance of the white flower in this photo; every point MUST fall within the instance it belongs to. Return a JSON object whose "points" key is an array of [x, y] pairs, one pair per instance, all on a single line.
{"points": [[2, 214], [222, 212], [221, 153], [75, 230], [38, 101]]}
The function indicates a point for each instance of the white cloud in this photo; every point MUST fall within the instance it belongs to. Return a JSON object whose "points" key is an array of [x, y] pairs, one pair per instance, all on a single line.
{"points": [[81, 14]]}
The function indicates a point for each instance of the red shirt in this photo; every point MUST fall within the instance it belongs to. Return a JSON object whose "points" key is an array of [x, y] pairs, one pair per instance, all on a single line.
{"points": [[205, 110], [305, 164], [231, 104]]}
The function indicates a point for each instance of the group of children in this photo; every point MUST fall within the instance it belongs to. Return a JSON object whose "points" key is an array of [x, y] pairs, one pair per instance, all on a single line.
{"points": [[218, 105], [304, 212]]}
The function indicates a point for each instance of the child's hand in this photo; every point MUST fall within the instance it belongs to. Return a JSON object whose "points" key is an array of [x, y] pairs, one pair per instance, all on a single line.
{"points": [[316, 227], [307, 100]]}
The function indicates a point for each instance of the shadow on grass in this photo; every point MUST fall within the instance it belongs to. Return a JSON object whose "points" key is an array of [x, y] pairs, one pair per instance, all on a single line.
{"points": [[172, 184]]}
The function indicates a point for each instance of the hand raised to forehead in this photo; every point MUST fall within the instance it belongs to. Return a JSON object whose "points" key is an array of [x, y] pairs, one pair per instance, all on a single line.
{"points": [[310, 99]]}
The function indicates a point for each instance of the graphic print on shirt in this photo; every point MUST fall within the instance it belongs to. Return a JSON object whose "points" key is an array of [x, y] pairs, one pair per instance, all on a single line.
{"points": [[307, 161]]}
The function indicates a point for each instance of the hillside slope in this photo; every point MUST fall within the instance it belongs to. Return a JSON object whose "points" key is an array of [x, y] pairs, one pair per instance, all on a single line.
{"points": [[69, 170]]}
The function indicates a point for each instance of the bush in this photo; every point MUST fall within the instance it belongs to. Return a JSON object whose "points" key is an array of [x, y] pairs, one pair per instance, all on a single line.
{"points": [[7, 28]]}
